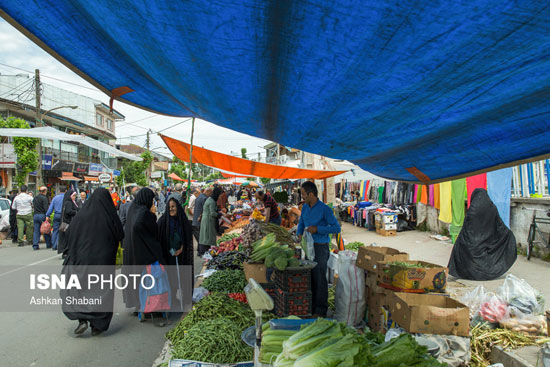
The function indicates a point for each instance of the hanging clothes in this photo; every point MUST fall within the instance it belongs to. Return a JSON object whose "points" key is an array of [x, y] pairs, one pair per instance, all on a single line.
{"points": [[431, 201], [498, 187], [445, 214], [458, 195], [415, 198], [424, 199], [436, 196], [381, 194], [475, 182]]}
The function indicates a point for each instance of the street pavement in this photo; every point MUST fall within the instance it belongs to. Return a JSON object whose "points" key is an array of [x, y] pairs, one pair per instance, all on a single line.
{"points": [[420, 246], [46, 339]]}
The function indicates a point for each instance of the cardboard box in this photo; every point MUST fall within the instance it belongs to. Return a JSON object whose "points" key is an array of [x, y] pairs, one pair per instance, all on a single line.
{"points": [[387, 233], [368, 257], [377, 308], [256, 271], [390, 226], [424, 278], [429, 314], [389, 218]]}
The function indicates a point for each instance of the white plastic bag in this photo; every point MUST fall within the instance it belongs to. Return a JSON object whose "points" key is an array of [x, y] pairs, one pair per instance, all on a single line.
{"points": [[350, 297], [473, 299], [521, 296], [5, 223], [308, 245]]}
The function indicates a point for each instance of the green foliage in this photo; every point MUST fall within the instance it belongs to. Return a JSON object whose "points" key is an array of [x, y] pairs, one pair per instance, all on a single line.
{"points": [[264, 180], [25, 149], [178, 167], [280, 197], [134, 171], [243, 153]]}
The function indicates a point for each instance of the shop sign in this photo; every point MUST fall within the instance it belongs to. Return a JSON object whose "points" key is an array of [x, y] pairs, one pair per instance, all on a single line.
{"points": [[95, 169], [116, 173], [7, 156], [156, 174], [104, 177], [65, 166], [81, 168], [47, 162]]}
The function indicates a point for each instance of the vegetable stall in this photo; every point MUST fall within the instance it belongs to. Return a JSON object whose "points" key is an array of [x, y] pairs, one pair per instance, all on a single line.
{"points": [[403, 315]]}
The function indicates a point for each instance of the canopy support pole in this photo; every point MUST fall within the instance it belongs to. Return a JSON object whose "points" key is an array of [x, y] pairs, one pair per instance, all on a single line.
{"points": [[190, 163]]}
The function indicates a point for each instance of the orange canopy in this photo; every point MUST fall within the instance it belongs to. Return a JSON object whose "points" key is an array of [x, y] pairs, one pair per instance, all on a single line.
{"points": [[173, 176], [240, 165]]}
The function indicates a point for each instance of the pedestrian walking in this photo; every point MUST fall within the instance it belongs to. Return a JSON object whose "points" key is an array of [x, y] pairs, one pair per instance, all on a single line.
{"points": [[209, 219], [68, 212], [141, 245], [318, 219], [124, 208], [40, 204], [176, 239], [197, 216], [93, 239], [56, 207], [13, 217], [81, 200], [23, 207], [191, 205]]}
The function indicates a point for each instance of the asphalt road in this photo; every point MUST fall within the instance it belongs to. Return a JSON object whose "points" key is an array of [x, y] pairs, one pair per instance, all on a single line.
{"points": [[46, 339]]}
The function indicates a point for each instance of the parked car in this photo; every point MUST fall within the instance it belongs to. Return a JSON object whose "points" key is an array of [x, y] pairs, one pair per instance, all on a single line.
{"points": [[4, 214]]}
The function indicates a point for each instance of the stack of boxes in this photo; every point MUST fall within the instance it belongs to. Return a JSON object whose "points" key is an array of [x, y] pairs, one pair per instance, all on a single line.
{"points": [[386, 224], [410, 294]]}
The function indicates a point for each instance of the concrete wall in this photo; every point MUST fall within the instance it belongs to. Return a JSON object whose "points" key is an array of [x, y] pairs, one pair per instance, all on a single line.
{"points": [[430, 216], [521, 216]]}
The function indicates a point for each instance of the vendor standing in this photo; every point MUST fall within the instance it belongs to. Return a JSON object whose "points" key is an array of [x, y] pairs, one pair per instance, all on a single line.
{"points": [[318, 219], [272, 214]]}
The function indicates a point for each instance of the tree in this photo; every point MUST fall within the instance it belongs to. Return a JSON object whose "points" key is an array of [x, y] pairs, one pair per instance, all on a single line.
{"points": [[25, 149], [178, 167], [135, 171], [264, 180], [243, 153]]}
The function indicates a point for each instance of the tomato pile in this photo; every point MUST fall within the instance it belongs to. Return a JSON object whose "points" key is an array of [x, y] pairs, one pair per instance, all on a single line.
{"points": [[241, 297]]}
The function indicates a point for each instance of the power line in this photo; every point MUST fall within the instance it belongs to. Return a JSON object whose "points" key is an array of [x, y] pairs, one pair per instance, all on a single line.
{"points": [[133, 122], [53, 78]]}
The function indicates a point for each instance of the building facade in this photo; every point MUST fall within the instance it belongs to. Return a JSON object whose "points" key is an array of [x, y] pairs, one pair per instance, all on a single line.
{"points": [[68, 112]]}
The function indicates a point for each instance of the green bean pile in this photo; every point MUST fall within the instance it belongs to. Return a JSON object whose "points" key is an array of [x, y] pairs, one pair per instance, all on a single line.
{"points": [[214, 341], [226, 281]]}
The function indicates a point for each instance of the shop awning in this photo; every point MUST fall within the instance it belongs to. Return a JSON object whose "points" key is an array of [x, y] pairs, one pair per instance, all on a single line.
{"points": [[243, 166], [91, 179], [50, 133], [68, 176], [175, 177], [407, 90]]}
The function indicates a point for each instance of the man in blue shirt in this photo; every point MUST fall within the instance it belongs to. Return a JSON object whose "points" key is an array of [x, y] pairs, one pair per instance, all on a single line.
{"points": [[56, 206], [318, 219]]}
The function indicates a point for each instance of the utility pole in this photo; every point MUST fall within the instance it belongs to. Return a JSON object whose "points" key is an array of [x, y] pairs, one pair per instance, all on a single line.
{"points": [[148, 140], [38, 108]]}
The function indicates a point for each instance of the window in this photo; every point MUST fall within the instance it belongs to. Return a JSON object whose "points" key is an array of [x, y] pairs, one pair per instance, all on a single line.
{"points": [[99, 120], [109, 124], [4, 205]]}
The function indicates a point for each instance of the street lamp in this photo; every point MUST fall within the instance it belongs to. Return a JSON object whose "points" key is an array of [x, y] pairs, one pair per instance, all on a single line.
{"points": [[39, 123]]}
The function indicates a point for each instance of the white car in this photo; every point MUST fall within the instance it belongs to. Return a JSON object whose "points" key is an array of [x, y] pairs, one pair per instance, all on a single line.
{"points": [[4, 213]]}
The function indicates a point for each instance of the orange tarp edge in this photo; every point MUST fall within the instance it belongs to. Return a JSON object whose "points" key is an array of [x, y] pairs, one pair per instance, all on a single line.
{"points": [[173, 176], [240, 165]]}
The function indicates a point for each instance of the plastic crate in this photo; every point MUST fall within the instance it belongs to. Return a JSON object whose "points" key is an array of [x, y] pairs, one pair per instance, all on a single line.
{"points": [[293, 279], [293, 303], [270, 289]]}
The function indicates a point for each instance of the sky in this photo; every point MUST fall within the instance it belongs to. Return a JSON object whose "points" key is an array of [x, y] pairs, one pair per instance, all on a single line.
{"points": [[18, 51]]}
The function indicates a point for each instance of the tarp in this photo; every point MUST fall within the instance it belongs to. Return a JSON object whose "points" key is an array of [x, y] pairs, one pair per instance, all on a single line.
{"points": [[50, 133], [408, 90], [239, 165], [173, 176]]}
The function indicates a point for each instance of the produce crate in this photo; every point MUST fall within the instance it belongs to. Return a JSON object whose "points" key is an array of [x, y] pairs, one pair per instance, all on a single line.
{"points": [[293, 279], [421, 278], [293, 303], [270, 288]]}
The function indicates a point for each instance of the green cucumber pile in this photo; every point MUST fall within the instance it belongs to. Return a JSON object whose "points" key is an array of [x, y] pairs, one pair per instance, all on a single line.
{"points": [[226, 281]]}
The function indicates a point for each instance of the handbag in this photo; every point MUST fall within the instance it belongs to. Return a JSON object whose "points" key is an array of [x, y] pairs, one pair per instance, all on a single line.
{"points": [[63, 226], [46, 227], [158, 298]]}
